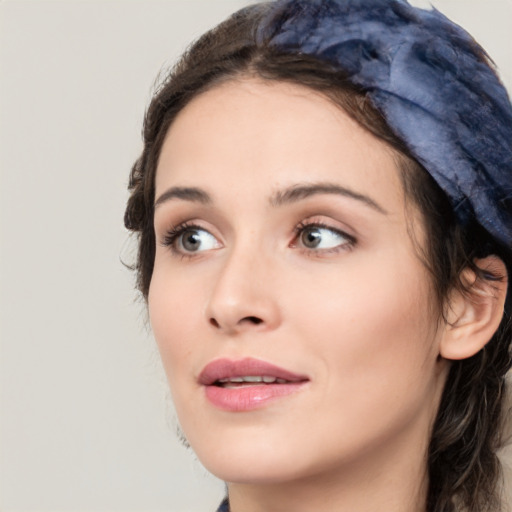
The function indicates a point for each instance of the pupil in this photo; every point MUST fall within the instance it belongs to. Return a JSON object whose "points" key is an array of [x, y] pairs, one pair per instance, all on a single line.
{"points": [[311, 238], [191, 241]]}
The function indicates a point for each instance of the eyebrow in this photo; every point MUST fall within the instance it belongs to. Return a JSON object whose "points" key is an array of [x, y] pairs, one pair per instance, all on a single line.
{"points": [[299, 192], [186, 194], [288, 195]]}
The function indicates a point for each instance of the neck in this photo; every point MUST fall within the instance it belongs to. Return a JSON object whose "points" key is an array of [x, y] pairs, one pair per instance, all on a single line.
{"points": [[392, 480]]}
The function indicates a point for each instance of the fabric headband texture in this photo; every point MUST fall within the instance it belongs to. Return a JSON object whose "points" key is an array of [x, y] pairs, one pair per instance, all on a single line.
{"points": [[432, 83]]}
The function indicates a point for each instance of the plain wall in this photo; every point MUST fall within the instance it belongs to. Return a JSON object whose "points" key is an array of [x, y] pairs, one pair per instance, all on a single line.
{"points": [[86, 423]]}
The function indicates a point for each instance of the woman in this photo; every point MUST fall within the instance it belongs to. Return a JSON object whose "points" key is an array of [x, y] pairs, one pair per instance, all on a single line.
{"points": [[324, 211]]}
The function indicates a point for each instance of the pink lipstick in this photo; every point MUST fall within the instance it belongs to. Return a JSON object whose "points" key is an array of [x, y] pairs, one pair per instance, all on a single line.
{"points": [[247, 384]]}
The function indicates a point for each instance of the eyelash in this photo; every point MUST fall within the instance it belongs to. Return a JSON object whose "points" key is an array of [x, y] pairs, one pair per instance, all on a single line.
{"points": [[175, 232]]}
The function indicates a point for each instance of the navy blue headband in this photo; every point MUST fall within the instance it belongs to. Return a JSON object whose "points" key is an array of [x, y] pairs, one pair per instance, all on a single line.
{"points": [[431, 82]]}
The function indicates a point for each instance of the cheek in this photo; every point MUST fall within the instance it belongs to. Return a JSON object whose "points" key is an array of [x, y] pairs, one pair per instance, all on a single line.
{"points": [[371, 321], [375, 342], [174, 311]]}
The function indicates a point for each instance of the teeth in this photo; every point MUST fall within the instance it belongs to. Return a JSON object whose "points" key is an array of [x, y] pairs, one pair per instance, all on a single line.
{"points": [[253, 379]]}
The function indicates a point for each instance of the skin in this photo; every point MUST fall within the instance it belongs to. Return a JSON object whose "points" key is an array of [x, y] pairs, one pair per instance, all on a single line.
{"points": [[356, 314]]}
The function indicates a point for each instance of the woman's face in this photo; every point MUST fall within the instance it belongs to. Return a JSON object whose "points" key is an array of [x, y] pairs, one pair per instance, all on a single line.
{"points": [[284, 254]]}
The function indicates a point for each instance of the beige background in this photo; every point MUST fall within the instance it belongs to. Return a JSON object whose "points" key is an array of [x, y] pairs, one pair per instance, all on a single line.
{"points": [[86, 423]]}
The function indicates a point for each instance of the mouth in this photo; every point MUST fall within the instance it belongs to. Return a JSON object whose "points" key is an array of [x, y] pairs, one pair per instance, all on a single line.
{"points": [[249, 380], [249, 371], [247, 384]]}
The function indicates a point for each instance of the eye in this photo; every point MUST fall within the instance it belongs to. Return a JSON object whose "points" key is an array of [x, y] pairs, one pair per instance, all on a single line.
{"points": [[321, 237], [190, 239]]}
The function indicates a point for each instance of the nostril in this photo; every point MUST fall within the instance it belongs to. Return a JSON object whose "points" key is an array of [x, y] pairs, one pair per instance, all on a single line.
{"points": [[253, 320]]}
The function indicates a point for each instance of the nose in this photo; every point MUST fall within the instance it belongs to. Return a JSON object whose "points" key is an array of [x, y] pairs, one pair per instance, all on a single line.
{"points": [[244, 296]]}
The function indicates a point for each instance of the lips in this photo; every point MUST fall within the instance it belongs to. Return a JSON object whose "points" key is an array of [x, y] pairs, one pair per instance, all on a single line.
{"points": [[227, 369], [247, 384]]}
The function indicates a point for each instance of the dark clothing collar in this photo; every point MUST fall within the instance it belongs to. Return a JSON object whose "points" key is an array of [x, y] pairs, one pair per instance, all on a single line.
{"points": [[224, 506]]}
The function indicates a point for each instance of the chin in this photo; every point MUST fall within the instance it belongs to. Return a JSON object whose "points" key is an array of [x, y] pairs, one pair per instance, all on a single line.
{"points": [[251, 460], [254, 470]]}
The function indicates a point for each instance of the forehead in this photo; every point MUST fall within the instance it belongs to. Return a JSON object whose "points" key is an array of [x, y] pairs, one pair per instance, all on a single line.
{"points": [[265, 135]]}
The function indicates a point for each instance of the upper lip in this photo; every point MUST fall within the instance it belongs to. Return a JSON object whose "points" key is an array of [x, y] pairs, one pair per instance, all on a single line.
{"points": [[227, 368]]}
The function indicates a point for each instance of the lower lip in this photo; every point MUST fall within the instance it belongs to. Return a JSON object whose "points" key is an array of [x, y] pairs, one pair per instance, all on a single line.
{"points": [[247, 398]]}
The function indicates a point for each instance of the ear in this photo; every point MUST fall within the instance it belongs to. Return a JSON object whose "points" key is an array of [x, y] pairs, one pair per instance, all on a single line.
{"points": [[474, 314]]}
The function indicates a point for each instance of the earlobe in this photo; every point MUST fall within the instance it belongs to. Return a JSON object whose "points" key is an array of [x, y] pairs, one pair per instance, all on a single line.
{"points": [[474, 314]]}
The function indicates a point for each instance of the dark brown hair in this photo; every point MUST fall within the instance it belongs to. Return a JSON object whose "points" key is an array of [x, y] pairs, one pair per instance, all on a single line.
{"points": [[464, 471]]}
